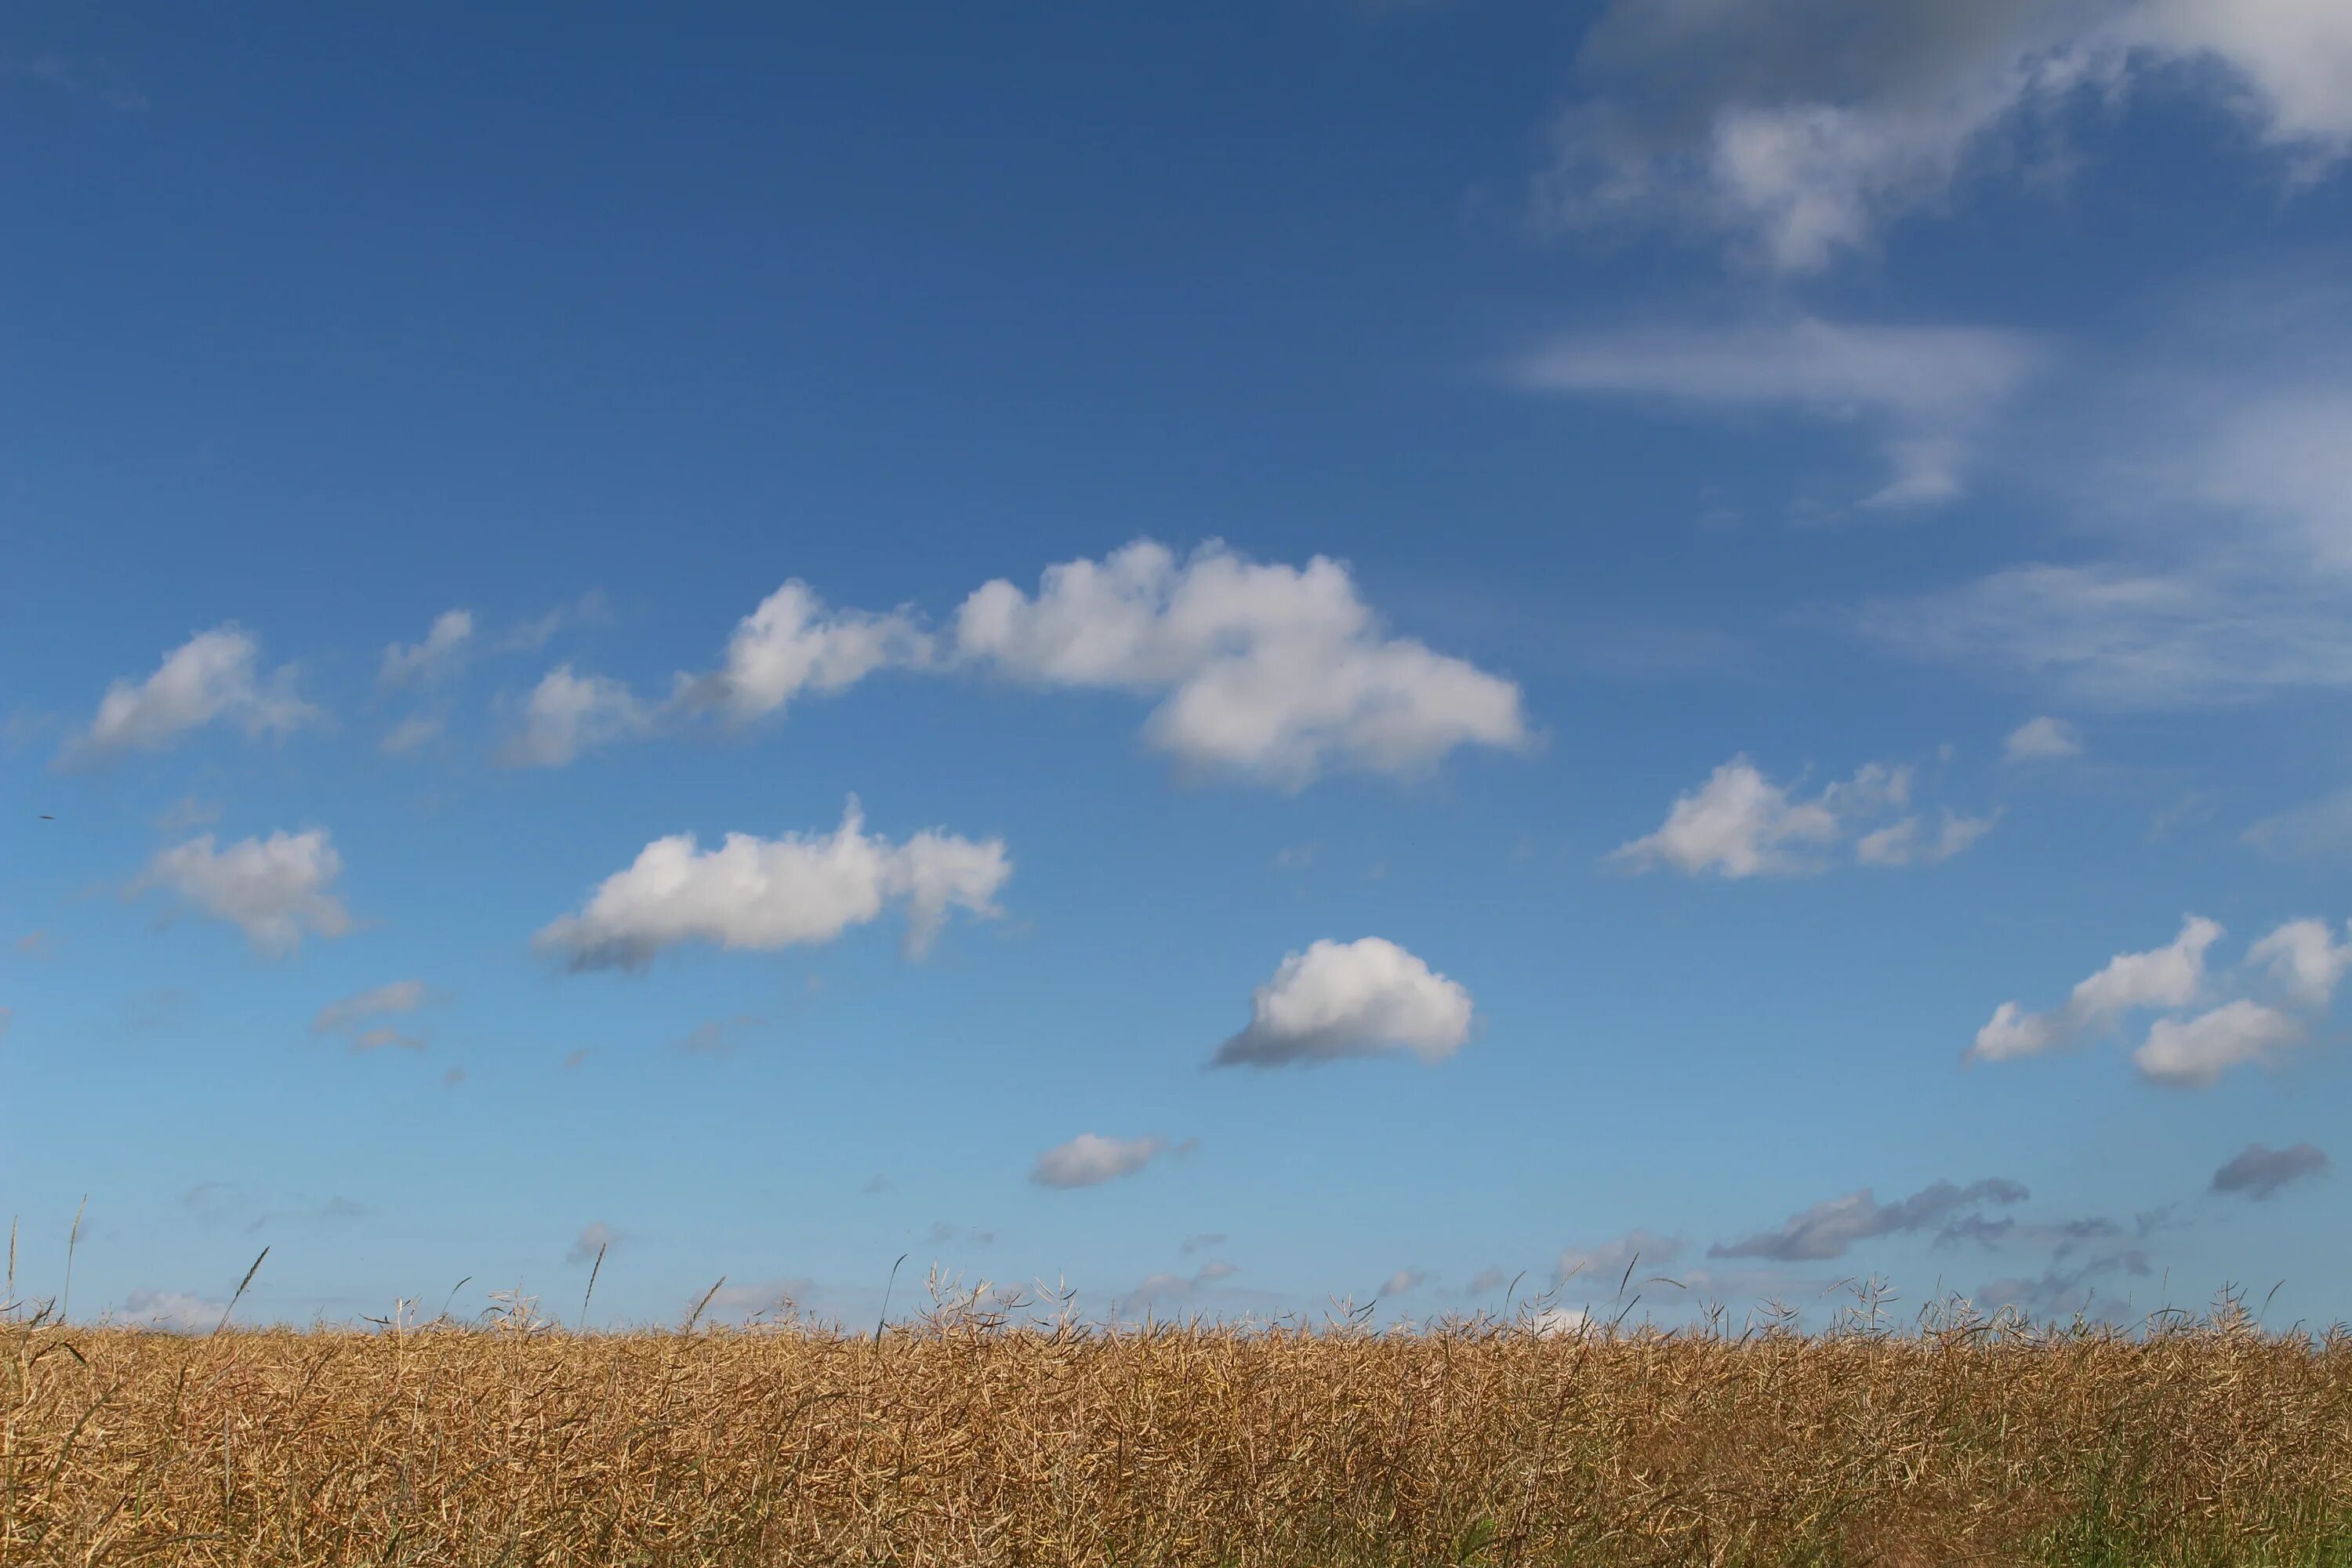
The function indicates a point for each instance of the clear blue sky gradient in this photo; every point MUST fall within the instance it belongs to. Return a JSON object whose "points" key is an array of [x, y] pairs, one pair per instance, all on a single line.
{"points": [[326, 321]]}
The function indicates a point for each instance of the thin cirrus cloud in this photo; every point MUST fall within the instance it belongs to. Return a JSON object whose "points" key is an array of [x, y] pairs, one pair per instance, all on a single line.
{"points": [[1091, 1159], [444, 649], [2285, 979], [1268, 673], [2258, 1171], [1338, 1000], [1827, 1229], [2124, 635], [763, 894], [1926, 392], [1735, 123], [214, 677], [361, 1017], [1740, 823], [274, 889]]}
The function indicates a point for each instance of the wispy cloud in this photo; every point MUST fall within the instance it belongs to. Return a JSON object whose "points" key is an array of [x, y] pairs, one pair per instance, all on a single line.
{"points": [[1926, 393], [214, 677], [1798, 130]]}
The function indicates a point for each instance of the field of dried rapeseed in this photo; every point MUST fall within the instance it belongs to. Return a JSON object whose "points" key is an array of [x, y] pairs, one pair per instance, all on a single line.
{"points": [[972, 1438]]}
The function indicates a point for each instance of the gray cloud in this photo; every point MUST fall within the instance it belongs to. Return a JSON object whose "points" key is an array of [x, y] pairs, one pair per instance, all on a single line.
{"points": [[2257, 1171], [1827, 1229]]}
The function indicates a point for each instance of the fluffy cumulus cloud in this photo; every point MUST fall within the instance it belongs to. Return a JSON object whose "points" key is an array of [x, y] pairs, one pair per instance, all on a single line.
{"points": [[568, 713], [1271, 671], [1926, 391], [1739, 823], [2285, 978], [767, 893], [1362, 998], [274, 889], [2169, 976], [2258, 1170], [2043, 740], [794, 643], [2192, 1053], [1825, 1230], [214, 677], [443, 648], [1800, 128], [1268, 671], [1090, 1158], [2305, 960]]}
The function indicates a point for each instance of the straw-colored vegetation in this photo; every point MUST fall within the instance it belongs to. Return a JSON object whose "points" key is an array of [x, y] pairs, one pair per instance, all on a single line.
{"points": [[972, 1438]]}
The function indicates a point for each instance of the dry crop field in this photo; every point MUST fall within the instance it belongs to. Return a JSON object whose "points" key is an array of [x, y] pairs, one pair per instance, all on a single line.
{"points": [[971, 1439]]}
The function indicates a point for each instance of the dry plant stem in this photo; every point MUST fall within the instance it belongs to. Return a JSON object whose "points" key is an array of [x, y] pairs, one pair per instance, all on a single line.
{"points": [[970, 1438]]}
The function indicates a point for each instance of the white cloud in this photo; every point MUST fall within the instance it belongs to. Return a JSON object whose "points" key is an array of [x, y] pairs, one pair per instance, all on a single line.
{"points": [[1904, 844], [2193, 1053], [1403, 1282], [591, 1244], [2290, 63], [719, 1036], [1610, 1263], [2169, 976], [1362, 998], [2043, 739], [2111, 635], [768, 893], [212, 676], [1802, 128], [2315, 829], [383, 1037], [568, 713], [273, 889], [1738, 823], [1925, 390], [384, 1001], [442, 651], [1090, 1158], [1741, 824], [2299, 965], [793, 643], [411, 733], [2304, 960], [172, 1312], [1270, 671]]}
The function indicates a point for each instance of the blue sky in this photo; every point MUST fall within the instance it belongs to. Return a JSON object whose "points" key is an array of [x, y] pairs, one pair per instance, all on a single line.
{"points": [[1238, 656]]}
